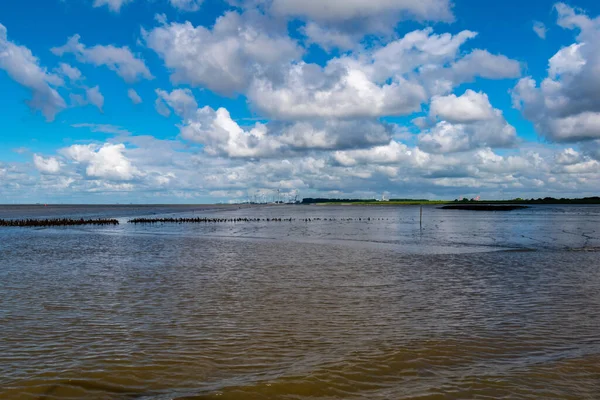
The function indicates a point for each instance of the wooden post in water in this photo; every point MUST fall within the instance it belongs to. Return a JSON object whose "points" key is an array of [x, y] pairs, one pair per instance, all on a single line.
{"points": [[421, 218]]}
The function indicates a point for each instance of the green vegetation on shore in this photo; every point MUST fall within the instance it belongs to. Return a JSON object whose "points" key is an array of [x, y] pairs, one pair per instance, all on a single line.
{"points": [[545, 200], [323, 201]]}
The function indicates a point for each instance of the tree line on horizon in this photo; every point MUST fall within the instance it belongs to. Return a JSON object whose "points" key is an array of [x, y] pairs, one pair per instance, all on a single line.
{"points": [[545, 200]]}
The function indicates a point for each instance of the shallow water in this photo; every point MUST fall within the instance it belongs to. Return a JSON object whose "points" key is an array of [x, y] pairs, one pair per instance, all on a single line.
{"points": [[470, 305]]}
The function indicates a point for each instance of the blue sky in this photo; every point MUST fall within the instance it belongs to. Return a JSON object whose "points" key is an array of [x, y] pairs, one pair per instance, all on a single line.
{"points": [[204, 101]]}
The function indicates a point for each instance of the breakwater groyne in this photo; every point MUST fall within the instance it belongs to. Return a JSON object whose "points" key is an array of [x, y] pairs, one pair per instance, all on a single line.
{"points": [[200, 220], [57, 222]]}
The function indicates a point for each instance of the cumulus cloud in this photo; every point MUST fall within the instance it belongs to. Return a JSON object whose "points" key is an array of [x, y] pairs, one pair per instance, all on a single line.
{"points": [[24, 68], [414, 50], [466, 122], [431, 10], [49, 165], [73, 73], [390, 153], [104, 162], [161, 107], [221, 135], [479, 169], [113, 5], [481, 63], [336, 91], [334, 24], [329, 39], [118, 59], [94, 97], [134, 96], [470, 107], [447, 137], [170, 170], [568, 156], [333, 134], [565, 106], [540, 29], [395, 79], [186, 5], [225, 58], [323, 130], [570, 161], [181, 100], [344, 24]]}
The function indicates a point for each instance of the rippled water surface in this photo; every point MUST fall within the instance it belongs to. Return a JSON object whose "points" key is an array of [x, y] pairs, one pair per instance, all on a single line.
{"points": [[470, 305]]}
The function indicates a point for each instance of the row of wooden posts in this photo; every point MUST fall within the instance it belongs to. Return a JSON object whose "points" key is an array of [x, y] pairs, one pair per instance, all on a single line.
{"points": [[112, 222]]}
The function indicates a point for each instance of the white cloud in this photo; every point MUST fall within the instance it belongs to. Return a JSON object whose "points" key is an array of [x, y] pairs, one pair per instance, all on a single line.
{"points": [[113, 5], [225, 58], [73, 73], [570, 161], [221, 135], [337, 91], [103, 162], [565, 107], [332, 134], [342, 25], [23, 67], [571, 18], [540, 29], [162, 108], [94, 97], [447, 137], [568, 156], [49, 165], [183, 5], [181, 100], [585, 167], [118, 59], [415, 50], [323, 131], [568, 60], [391, 153], [329, 39], [466, 122], [104, 128], [187, 5], [481, 63], [392, 80], [134, 96], [470, 107], [349, 10], [172, 172]]}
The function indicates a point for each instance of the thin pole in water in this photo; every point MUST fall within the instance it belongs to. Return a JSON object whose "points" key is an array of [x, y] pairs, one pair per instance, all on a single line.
{"points": [[421, 218]]}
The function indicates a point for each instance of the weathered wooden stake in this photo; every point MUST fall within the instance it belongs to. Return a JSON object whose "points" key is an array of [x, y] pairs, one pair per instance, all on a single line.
{"points": [[421, 218]]}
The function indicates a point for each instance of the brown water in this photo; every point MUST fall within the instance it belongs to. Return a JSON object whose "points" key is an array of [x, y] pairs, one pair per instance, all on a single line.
{"points": [[474, 305]]}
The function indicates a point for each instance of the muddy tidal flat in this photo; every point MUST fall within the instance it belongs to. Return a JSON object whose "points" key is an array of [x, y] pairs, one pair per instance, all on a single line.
{"points": [[300, 302]]}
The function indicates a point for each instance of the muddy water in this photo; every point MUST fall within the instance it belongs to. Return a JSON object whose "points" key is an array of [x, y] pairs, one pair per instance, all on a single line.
{"points": [[473, 305]]}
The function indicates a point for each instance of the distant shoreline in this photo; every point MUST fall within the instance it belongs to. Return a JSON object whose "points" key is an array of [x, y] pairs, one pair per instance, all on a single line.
{"points": [[484, 207], [422, 202], [323, 201]]}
